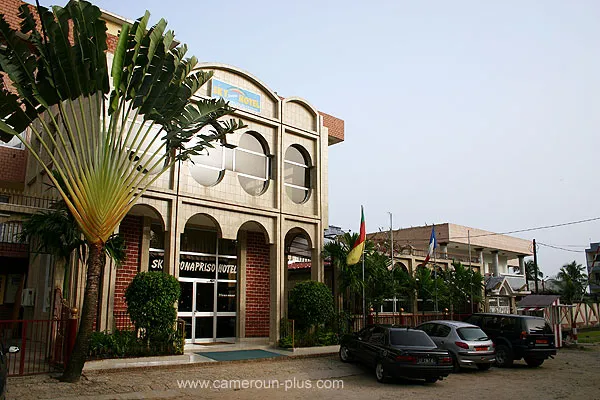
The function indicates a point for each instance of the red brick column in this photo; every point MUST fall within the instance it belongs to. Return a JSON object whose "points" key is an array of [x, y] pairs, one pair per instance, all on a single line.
{"points": [[258, 288], [14, 164], [132, 231]]}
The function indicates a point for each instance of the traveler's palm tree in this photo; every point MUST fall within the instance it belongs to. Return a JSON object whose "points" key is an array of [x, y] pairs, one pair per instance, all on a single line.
{"points": [[109, 135], [56, 232]]}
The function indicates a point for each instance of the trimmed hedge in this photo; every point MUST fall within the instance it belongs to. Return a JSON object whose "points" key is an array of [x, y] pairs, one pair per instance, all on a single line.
{"points": [[310, 304], [151, 299]]}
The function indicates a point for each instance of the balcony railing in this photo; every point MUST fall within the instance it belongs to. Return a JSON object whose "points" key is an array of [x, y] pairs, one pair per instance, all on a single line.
{"points": [[442, 256], [10, 231], [19, 199]]}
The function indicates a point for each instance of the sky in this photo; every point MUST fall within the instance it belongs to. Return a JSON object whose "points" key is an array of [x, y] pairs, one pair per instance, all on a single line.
{"points": [[483, 114]]}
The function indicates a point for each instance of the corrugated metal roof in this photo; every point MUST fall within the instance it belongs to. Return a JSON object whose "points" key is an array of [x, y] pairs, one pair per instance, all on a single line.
{"points": [[537, 300]]}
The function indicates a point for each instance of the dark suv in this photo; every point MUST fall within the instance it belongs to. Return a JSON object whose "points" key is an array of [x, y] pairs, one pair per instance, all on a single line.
{"points": [[516, 337]]}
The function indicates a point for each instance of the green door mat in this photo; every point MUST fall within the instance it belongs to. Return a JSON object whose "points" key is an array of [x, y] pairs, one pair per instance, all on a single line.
{"points": [[238, 355]]}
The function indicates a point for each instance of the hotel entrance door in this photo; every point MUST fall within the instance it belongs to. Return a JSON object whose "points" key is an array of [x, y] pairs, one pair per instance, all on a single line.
{"points": [[208, 307], [208, 302]]}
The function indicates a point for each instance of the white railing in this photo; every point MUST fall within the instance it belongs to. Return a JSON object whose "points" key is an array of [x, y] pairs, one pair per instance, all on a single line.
{"points": [[9, 232], [500, 309]]}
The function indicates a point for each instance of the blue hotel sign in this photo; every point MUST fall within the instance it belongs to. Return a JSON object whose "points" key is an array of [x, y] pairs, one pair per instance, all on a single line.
{"points": [[237, 97]]}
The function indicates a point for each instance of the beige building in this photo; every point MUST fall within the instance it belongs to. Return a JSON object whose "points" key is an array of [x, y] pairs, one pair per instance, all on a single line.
{"points": [[500, 258], [223, 223]]}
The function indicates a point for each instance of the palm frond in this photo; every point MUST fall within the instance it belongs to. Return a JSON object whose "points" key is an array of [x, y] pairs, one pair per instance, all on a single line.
{"points": [[106, 153]]}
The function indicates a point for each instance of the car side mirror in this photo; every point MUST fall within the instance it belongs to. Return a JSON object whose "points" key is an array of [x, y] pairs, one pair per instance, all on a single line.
{"points": [[13, 349]]}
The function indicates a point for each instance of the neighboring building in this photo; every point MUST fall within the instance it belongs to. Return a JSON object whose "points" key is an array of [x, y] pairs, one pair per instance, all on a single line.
{"points": [[225, 224], [495, 256], [592, 259]]}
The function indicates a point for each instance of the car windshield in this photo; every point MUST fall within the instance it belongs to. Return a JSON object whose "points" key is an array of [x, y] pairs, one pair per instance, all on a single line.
{"points": [[410, 338], [471, 334], [535, 325]]}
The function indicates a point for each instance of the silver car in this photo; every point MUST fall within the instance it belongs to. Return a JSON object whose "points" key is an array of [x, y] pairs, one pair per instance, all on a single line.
{"points": [[467, 343]]}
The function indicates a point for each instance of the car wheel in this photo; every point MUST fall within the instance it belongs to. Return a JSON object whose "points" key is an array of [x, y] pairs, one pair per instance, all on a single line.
{"points": [[345, 354], [483, 367], [432, 380], [455, 364], [504, 357], [534, 362], [380, 372]]}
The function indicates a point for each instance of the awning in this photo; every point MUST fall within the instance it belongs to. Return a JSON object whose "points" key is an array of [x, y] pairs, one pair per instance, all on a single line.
{"points": [[530, 308]]}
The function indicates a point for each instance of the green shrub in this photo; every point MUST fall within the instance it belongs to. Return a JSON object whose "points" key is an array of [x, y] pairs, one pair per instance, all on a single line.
{"points": [[311, 338], [127, 344], [116, 345], [151, 298], [285, 342], [310, 304], [340, 323], [326, 338]]}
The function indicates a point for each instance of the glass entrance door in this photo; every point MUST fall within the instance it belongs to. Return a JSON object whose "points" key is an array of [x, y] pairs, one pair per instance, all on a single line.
{"points": [[208, 307], [208, 302]]}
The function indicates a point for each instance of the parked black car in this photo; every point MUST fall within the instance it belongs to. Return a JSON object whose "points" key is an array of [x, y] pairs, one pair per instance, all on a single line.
{"points": [[397, 352], [516, 337], [4, 368]]}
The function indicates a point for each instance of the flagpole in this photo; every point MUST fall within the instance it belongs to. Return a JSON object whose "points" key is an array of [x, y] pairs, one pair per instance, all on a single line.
{"points": [[435, 278], [364, 301]]}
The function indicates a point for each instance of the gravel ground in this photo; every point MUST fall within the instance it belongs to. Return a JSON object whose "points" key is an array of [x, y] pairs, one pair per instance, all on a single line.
{"points": [[573, 374]]}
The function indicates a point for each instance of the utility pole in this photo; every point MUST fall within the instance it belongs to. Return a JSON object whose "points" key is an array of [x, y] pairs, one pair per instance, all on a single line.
{"points": [[391, 241], [535, 266], [470, 269]]}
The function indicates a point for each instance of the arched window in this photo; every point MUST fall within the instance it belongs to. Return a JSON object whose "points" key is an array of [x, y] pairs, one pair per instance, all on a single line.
{"points": [[251, 162], [297, 174]]}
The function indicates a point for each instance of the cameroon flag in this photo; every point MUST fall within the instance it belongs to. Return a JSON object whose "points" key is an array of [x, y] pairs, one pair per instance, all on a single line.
{"points": [[354, 254]]}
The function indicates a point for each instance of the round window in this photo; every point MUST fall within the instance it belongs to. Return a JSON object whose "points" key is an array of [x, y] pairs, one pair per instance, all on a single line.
{"points": [[208, 167]]}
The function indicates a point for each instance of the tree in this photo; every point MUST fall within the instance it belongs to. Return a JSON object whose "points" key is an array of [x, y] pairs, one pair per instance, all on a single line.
{"points": [[379, 279], [572, 281], [56, 232], [107, 142], [426, 285], [350, 276], [530, 271], [405, 285], [460, 286]]}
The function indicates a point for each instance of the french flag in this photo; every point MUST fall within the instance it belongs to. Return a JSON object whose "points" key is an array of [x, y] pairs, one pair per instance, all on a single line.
{"points": [[432, 245]]}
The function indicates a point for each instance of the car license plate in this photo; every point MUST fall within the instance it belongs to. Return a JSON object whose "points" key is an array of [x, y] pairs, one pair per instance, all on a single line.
{"points": [[426, 361], [481, 348], [541, 341]]}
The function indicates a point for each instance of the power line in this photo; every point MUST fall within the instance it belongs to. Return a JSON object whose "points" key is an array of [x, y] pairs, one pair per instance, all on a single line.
{"points": [[583, 246], [560, 248], [537, 228]]}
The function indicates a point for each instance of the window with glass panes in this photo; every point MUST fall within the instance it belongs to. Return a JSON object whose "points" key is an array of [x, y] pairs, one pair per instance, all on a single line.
{"points": [[297, 174]]}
